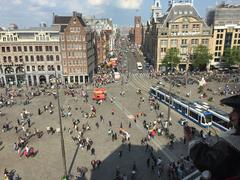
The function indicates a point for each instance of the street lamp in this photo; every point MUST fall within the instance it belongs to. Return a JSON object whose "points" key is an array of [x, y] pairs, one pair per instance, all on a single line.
{"points": [[170, 94], [61, 129]]}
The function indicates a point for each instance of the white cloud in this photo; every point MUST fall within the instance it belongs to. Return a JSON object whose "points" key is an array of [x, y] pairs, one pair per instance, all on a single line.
{"points": [[17, 2], [129, 4], [85, 7], [97, 2], [44, 3]]}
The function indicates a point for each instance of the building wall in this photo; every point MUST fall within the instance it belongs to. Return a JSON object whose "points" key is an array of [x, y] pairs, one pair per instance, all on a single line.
{"points": [[137, 31], [77, 51], [29, 57], [227, 36]]}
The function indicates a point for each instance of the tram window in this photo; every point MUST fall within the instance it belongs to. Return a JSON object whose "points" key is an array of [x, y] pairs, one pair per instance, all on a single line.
{"points": [[203, 120], [208, 118], [167, 99], [176, 105], [184, 110], [221, 122], [153, 92], [161, 97], [193, 115]]}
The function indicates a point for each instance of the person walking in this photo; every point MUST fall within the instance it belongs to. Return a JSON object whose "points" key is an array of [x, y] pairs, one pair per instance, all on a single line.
{"points": [[120, 153], [110, 123], [16, 129], [129, 146], [121, 125], [148, 162], [92, 151], [101, 118], [129, 125], [97, 125]]}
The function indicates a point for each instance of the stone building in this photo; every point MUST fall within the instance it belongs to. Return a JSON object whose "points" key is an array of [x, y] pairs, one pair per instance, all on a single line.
{"points": [[29, 56], [138, 31], [225, 21], [104, 36], [181, 27]]}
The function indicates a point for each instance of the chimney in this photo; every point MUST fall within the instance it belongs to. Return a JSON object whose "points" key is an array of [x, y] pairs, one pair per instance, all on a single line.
{"points": [[74, 13]]}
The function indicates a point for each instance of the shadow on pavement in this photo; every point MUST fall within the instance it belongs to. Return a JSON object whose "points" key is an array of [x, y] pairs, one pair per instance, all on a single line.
{"points": [[73, 160], [115, 166]]}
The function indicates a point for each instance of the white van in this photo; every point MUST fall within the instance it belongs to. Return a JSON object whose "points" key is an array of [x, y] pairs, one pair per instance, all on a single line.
{"points": [[139, 66]]}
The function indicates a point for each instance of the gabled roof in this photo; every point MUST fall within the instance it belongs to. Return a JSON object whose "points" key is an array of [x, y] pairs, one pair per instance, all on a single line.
{"points": [[61, 19], [64, 20], [174, 14]]}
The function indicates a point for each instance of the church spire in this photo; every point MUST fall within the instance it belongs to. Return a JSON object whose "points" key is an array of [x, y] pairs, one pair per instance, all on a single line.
{"points": [[156, 9]]}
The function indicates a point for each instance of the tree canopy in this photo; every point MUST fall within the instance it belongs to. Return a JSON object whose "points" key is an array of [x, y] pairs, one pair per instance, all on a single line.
{"points": [[231, 56], [171, 58], [201, 57]]}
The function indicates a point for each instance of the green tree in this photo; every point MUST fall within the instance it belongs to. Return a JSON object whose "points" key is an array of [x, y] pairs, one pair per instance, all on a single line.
{"points": [[201, 57], [231, 56], [171, 58]]}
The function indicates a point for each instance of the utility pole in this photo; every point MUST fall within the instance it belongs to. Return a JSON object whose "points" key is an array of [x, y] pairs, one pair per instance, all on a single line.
{"points": [[61, 129], [170, 94]]}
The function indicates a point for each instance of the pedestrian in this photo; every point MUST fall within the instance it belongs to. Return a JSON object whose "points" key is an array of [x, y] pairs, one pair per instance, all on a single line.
{"points": [[159, 172], [29, 123], [120, 153], [101, 118], [129, 125], [152, 168], [92, 151], [97, 125], [110, 123], [121, 125], [146, 147], [129, 146], [88, 147], [18, 121], [112, 111], [115, 135], [134, 168], [39, 111], [16, 129], [93, 163], [148, 162], [98, 163], [117, 171]]}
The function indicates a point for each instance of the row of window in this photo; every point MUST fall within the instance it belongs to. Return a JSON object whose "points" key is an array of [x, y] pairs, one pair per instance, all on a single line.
{"points": [[75, 62], [29, 48], [75, 37], [43, 68], [74, 46], [30, 58], [74, 54], [174, 42], [186, 26], [81, 70]]}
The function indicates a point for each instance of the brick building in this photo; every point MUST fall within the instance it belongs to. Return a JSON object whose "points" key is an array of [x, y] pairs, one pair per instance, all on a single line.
{"points": [[138, 31], [77, 48]]}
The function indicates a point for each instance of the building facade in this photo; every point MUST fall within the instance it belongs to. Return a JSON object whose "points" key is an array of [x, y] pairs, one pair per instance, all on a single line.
{"points": [[29, 56], [182, 28], [138, 31], [225, 20], [104, 37], [77, 48]]}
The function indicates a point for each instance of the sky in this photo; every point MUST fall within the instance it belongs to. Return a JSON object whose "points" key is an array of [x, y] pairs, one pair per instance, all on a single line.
{"points": [[30, 13]]}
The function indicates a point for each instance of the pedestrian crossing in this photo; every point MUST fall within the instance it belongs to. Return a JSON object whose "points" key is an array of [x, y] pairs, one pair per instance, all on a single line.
{"points": [[139, 74]]}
